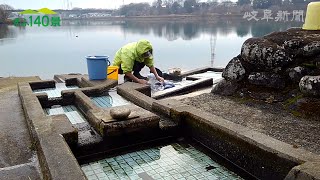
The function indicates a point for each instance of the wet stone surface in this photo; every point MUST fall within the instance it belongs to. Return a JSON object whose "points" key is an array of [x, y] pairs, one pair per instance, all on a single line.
{"points": [[86, 134], [166, 124]]}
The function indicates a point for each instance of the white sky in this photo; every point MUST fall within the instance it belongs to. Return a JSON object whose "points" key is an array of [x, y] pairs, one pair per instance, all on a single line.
{"points": [[62, 4]]}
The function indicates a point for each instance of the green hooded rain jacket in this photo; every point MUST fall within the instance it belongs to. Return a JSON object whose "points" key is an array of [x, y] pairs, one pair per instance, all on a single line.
{"points": [[133, 52]]}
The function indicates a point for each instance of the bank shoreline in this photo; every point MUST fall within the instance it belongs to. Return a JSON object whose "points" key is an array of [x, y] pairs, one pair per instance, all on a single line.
{"points": [[211, 17]]}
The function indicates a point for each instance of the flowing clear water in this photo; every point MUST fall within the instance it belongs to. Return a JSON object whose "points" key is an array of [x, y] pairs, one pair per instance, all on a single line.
{"points": [[72, 113], [46, 51], [55, 92], [173, 161], [111, 99]]}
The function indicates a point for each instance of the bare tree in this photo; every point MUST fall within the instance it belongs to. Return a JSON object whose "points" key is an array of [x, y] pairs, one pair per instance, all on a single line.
{"points": [[4, 12]]}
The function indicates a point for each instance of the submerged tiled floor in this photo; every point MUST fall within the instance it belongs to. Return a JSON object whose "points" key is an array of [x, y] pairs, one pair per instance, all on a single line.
{"points": [[55, 92], [71, 112], [110, 100], [164, 162]]}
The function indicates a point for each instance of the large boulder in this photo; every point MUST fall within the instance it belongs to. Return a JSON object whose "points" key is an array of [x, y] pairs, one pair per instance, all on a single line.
{"points": [[234, 71], [225, 88], [280, 60], [295, 74], [281, 49], [311, 49], [264, 54], [267, 80], [310, 85]]}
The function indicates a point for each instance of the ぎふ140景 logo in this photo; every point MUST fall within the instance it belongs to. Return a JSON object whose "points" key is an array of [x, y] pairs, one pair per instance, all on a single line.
{"points": [[42, 17]]}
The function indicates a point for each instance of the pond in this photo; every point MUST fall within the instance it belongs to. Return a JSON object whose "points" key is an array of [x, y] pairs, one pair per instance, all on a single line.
{"points": [[46, 51]]}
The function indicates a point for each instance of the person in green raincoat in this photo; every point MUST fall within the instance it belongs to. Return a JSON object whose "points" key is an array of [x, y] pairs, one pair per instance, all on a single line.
{"points": [[132, 57]]}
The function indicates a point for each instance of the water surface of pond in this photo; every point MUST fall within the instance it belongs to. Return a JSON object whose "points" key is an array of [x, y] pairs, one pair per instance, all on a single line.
{"points": [[45, 51]]}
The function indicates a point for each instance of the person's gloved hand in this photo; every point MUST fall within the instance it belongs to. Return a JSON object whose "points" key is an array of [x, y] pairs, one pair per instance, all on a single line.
{"points": [[142, 81], [160, 79]]}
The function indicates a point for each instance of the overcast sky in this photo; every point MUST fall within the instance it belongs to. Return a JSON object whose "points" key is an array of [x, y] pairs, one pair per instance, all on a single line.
{"points": [[62, 4]]}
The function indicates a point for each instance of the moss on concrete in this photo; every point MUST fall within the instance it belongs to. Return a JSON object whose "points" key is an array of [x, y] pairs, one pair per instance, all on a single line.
{"points": [[33, 145]]}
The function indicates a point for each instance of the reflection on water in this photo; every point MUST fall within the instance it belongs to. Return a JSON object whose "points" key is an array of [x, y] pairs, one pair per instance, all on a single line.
{"points": [[191, 30], [173, 30], [7, 32], [187, 45]]}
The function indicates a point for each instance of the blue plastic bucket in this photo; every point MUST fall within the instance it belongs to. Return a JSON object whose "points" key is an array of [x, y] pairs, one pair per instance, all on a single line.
{"points": [[97, 66]]}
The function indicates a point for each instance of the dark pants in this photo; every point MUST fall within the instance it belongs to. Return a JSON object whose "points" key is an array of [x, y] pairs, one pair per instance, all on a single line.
{"points": [[137, 66]]}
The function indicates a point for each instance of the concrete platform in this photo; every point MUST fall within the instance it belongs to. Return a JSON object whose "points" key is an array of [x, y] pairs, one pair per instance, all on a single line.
{"points": [[262, 156], [18, 159], [50, 135], [53, 134]]}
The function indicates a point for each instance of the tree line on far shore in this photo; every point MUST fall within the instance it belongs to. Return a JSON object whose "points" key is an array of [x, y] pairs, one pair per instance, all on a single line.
{"points": [[4, 13], [195, 7]]}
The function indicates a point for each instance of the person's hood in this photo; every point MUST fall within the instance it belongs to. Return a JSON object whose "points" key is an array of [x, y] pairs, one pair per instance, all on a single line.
{"points": [[143, 46]]}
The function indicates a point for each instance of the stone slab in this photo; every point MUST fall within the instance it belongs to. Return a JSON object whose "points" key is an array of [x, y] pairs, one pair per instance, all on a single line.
{"points": [[140, 119], [184, 88], [192, 72]]}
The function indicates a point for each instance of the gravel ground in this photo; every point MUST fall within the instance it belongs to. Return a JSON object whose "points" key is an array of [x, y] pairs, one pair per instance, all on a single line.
{"points": [[269, 119]]}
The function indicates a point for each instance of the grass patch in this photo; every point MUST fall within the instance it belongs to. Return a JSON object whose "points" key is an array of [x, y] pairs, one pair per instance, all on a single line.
{"points": [[291, 101]]}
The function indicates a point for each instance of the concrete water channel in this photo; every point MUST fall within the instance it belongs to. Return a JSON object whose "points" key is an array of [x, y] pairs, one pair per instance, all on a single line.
{"points": [[76, 138]]}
